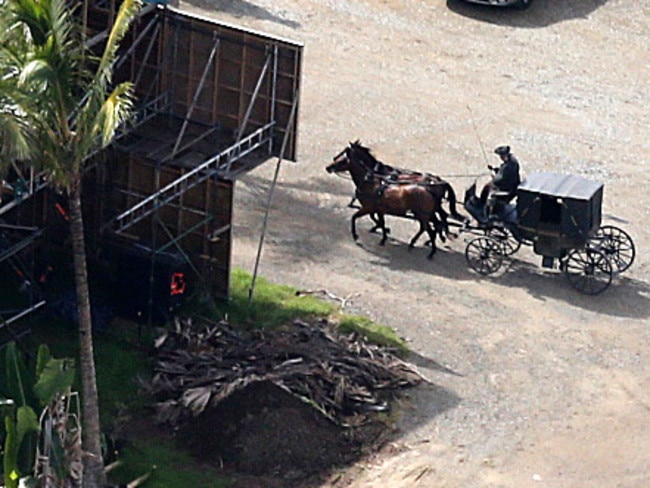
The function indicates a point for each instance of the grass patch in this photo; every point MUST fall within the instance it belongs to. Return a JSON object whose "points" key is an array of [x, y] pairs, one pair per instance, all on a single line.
{"points": [[272, 305], [372, 332], [167, 466], [118, 367]]}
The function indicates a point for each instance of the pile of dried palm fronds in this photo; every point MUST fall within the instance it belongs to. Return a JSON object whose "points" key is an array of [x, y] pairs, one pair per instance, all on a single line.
{"points": [[199, 365]]}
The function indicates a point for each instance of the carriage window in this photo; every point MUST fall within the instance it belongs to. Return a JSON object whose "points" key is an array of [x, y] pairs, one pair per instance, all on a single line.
{"points": [[551, 210]]}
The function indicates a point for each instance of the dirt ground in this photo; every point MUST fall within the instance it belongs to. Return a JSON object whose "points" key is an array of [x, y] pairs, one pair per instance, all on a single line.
{"points": [[535, 384]]}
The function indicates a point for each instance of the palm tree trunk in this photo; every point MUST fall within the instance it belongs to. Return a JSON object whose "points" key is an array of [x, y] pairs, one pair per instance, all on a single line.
{"points": [[94, 475]]}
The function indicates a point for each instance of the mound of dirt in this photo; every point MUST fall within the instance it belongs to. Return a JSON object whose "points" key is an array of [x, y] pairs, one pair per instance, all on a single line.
{"points": [[263, 431], [288, 404]]}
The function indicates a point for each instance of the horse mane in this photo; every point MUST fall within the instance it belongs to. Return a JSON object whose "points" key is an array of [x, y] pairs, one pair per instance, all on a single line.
{"points": [[368, 152]]}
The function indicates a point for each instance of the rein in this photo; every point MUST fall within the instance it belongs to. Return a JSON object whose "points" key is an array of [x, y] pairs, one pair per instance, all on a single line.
{"points": [[406, 171], [478, 175]]}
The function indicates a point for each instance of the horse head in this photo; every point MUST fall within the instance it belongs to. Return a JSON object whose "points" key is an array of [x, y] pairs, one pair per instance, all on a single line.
{"points": [[340, 162]]}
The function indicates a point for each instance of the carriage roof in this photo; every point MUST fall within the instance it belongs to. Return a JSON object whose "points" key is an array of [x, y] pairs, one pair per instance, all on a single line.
{"points": [[561, 186]]}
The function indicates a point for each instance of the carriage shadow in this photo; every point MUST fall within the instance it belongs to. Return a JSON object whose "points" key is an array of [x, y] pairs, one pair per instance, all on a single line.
{"points": [[541, 13], [626, 297]]}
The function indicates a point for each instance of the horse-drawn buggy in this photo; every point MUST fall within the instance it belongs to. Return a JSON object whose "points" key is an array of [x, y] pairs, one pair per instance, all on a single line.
{"points": [[558, 215]]}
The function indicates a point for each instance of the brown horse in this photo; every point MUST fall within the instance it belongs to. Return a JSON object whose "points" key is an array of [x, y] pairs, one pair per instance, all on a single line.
{"points": [[380, 198], [391, 174]]}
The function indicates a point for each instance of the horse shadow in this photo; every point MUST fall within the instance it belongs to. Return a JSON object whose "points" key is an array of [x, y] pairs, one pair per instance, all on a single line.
{"points": [[541, 13], [242, 8], [397, 255]]}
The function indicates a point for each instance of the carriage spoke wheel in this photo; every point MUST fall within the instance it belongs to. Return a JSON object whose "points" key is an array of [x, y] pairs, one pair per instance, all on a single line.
{"points": [[509, 245], [616, 244], [588, 270], [484, 255]]}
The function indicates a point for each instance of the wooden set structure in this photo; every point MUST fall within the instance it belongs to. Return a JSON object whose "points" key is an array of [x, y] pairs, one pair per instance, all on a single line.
{"points": [[214, 101]]}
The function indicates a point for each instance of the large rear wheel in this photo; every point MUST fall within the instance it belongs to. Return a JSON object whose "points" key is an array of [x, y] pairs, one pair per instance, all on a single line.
{"points": [[616, 244], [588, 270], [484, 255]]}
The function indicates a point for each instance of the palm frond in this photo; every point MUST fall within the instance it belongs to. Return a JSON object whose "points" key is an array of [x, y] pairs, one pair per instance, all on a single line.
{"points": [[32, 13], [99, 119], [116, 110], [13, 141], [127, 13], [37, 75]]}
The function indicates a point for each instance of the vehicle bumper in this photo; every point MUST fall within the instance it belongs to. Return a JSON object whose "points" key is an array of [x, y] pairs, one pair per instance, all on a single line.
{"points": [[498, 3]]}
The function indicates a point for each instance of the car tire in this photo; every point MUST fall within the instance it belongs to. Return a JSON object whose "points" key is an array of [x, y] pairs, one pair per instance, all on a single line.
{"points": [[523, 4]]}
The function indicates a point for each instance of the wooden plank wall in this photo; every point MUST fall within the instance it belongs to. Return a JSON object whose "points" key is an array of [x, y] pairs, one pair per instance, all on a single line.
{"points": [[181, 54]]}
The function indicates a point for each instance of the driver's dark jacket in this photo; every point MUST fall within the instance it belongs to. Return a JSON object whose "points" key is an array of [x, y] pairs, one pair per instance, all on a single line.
{"points": [[507, 176]]}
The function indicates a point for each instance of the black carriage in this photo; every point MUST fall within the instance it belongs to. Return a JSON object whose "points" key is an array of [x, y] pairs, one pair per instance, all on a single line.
{"points": [[558, 215]]}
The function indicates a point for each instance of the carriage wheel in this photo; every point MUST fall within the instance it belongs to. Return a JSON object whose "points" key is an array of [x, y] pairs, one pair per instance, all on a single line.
{"points": [[616, 244], [588, 270], [484, 255], [509, 245]]}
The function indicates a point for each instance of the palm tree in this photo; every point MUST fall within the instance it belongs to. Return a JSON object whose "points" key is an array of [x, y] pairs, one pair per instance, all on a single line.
{"points": [[58, 107]]}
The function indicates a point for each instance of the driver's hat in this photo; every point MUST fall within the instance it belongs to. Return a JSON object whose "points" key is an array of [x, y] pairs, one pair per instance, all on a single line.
{"points": [[502, 150]]}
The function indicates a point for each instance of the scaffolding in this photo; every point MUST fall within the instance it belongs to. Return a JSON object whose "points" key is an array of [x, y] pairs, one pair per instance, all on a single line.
{"points": [[214, 102]]}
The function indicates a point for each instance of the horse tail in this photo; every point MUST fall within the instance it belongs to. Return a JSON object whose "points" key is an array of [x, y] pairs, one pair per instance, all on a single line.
{"points": [[451, 196]]}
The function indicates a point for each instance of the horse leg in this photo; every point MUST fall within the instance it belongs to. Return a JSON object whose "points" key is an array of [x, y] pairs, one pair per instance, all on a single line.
{"points": [[432, 238], [353, 226], [353, 222], [440, 225], [381, 222], [417, 236], [444, 225]]}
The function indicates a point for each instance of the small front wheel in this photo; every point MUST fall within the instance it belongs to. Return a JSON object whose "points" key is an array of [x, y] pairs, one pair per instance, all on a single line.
{"points": [[509, 244], [484, 255], [588, 270]]}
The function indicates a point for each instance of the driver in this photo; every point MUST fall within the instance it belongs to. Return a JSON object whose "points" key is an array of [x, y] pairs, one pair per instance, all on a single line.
{"points": [[506, 177]]}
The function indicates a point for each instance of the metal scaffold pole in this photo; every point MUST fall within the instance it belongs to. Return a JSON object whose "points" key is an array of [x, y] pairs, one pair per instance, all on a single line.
{"points": [[285, 139]]}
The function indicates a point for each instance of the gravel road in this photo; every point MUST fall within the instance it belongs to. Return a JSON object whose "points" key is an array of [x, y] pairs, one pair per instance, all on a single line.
{"points": [[533, 384]]}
